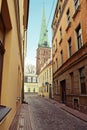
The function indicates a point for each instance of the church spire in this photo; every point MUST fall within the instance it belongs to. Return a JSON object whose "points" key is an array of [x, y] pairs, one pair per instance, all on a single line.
{"points": [[43, 41]]}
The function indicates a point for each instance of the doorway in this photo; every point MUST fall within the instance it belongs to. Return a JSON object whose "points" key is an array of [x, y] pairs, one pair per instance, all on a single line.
{"points": [[63, 91]]}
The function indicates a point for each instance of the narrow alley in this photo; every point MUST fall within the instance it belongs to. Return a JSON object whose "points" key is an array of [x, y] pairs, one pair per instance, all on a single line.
{"points": [[44, 115]]}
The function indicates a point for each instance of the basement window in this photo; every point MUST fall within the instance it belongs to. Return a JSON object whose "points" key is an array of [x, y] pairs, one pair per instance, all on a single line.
{"points": [[3, 112], [76, 103]]}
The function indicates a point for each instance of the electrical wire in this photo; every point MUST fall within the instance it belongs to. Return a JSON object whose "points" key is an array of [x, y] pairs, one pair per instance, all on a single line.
{"points": [[51, 12]]}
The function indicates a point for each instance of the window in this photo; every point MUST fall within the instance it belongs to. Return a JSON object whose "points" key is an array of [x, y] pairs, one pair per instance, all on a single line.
{"points": [[60, 10], [53, 49], [55, 45], [54, 67], [25, 79], [70, 47], [47, 87], [50, 73], [79, 36], [28, 79], [56, 84], [33, 90], [76, 4], [34, 79], [68, 16], [56, 63], [57, 13], [28, 89], [44, 60], [82, 80], [60, 33], [61, 57], [72, 82]]}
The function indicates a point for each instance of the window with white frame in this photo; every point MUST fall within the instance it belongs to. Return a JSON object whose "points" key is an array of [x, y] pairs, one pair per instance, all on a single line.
{"points": [[34, 79], [28, 79]]}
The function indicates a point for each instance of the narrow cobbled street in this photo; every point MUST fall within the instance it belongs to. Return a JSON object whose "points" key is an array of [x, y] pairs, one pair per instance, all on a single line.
{"points": [[45, 115]]}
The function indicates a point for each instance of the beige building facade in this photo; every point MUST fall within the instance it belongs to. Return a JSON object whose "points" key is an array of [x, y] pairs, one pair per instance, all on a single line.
{"points": [[45, 80], [13, 21], [69, 56], [30, 83]]}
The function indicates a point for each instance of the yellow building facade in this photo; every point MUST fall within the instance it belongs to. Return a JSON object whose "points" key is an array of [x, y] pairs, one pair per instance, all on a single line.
{"points": [[13, 21], [45, 80], [30, 83]]}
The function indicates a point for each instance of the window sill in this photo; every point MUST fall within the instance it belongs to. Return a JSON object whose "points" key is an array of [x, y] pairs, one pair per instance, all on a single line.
{"points": [[83, 95], [68, 26], [3, 112], [76, 11]]}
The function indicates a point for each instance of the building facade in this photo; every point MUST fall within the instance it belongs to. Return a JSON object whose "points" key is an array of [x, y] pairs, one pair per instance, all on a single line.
{"points": [[45, 80], [43, 52], [30, 83], [13, 23], [69, 53]]}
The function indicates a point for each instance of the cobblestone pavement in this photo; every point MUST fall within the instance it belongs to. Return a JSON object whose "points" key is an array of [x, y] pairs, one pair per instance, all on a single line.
{"points": [[46, 116]]}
